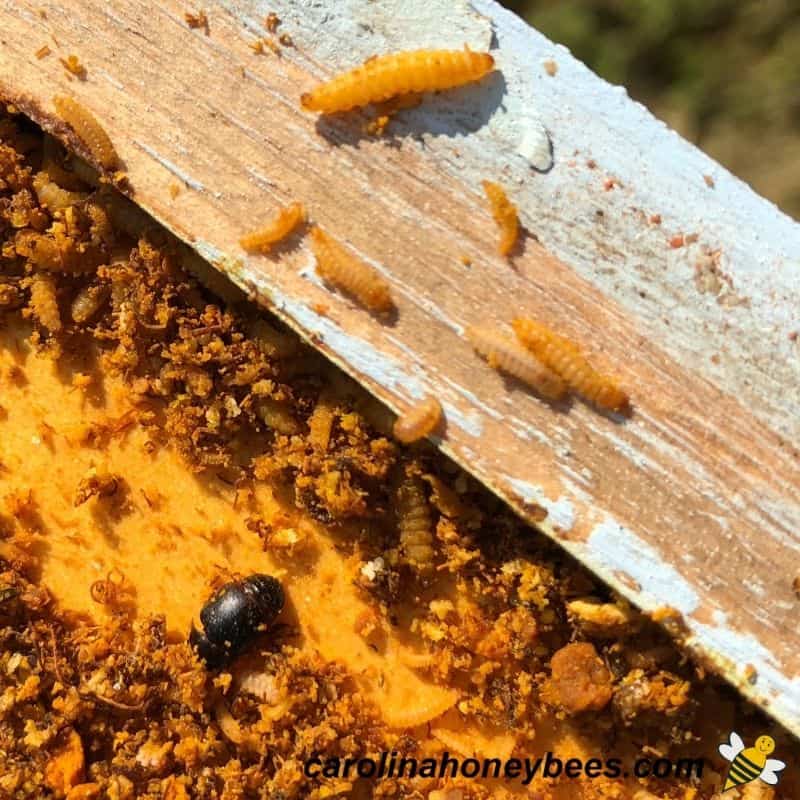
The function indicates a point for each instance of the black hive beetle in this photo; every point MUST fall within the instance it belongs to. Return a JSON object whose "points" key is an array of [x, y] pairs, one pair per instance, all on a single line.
{"points": [[233, 617]]}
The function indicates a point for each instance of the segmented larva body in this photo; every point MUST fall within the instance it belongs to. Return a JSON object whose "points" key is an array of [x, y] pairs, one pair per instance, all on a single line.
{"points": [[505, 215], [418, 710], [382, 77], [507, 355], [343, 270], [320, 423], [52, 195], [88, 129], [44, 302], [419, 421], [88, 302], [415, 524], [287, 219], [564, 357]]}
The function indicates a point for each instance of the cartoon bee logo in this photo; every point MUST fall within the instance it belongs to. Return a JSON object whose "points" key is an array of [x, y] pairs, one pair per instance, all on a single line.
{"points": [[751, 763]]}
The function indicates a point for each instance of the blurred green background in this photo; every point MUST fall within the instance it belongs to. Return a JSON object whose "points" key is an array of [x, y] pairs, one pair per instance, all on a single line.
{"points": [[723, 73]]}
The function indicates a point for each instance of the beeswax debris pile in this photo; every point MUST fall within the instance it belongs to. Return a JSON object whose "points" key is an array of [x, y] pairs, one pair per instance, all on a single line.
{"points": [[157, 441]]}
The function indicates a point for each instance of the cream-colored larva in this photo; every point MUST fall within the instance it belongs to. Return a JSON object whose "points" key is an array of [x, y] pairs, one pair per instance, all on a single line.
{"points": [[275, 231], [417, 710], [419, 421], [382, 77], [52, 195], [564, 357], [44, 302], [88, 302], [415, 524], [507, 355], [88, 129], [320, 423], [342, 269]]}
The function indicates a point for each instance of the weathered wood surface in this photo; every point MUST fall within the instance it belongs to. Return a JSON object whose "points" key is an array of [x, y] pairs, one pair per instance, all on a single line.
{"points": [[692, 502]]}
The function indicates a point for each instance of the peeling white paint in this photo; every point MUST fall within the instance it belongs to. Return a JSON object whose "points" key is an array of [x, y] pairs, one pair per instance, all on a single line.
{"points": [[110, 78], [560, 512], [472, 398], [619, 549], [262, 180], [743, 649]]}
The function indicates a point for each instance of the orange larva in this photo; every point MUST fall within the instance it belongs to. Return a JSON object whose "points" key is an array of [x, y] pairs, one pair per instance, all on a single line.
{"points": [[415, 525], [343, 270], [419, 421], [505, 215], [382, 77], [507, 355], [564, 357], [88, 129], [287, 219]]}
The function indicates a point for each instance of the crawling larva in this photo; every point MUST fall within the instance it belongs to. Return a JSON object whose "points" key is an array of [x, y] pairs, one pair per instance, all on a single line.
{"points": [[88, 302], [419, 421], [382, 77], [88, 129], [434, 702], [505, 215], [44, 302], [320, 423], [343, 270], [276, 416], [272, 342], [287, 219], [52, 195], [507, 355], [564, 357], [415, 524]]}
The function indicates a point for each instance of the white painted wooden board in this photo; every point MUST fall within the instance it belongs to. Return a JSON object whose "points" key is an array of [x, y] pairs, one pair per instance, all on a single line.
{"points": [[691, 503]]}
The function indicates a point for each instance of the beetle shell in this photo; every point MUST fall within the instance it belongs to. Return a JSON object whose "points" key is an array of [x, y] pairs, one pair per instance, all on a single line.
{"points": [[235, 615]]}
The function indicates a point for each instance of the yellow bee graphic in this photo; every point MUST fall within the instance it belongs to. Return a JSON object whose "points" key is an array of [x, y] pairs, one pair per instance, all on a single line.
{"points": [[751, 763]]}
